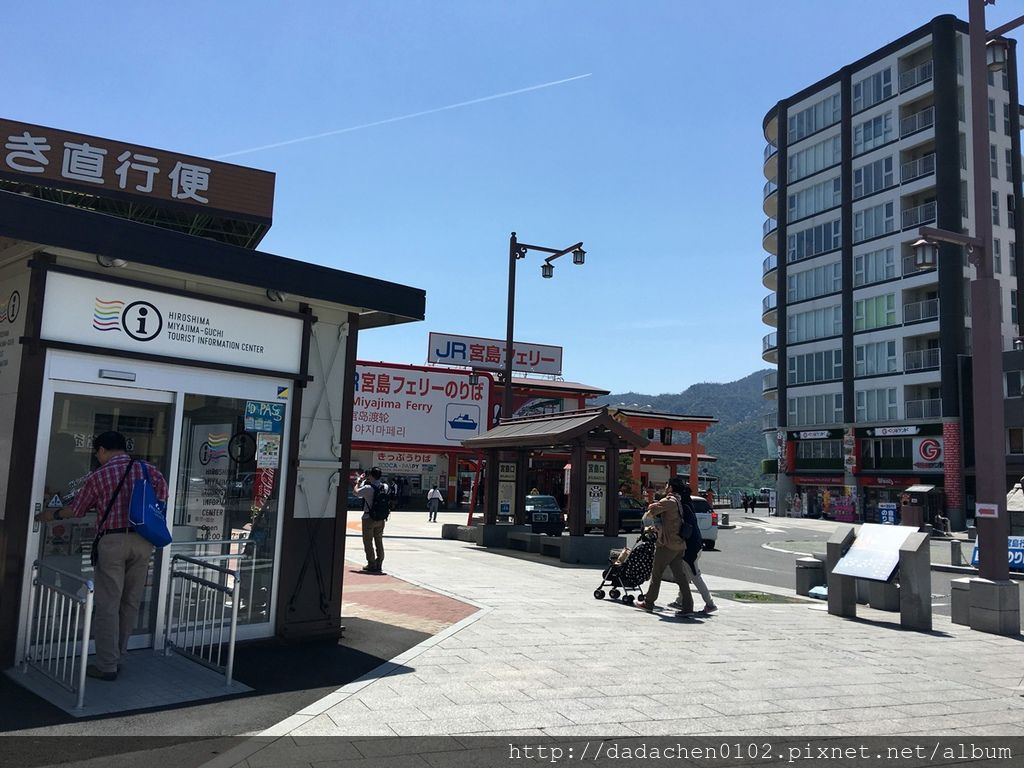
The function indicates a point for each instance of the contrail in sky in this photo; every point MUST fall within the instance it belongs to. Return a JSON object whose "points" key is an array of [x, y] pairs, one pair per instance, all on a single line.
{"points": [[404, 117]]}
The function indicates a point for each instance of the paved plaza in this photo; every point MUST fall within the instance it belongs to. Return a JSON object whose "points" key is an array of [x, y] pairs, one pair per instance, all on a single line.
{"points": [[541, 657]]}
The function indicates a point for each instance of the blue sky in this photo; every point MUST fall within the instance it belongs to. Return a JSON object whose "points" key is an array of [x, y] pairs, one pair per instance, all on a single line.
{"points": [[653, 159]]}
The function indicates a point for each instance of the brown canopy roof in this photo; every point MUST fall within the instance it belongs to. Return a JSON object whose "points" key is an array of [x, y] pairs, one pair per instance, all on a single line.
{"points": [[557, 430]]}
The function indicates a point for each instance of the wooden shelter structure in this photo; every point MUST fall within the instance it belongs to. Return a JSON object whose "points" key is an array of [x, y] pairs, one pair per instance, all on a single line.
{"points": [[577, 431]]}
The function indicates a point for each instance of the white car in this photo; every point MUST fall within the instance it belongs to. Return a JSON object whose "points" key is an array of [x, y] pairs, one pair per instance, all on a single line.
{"points": [[707, 521]]}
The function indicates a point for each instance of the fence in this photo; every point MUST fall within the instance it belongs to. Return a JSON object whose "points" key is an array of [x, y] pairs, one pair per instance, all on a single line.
{"points": [[60, 619], [197, 613]]}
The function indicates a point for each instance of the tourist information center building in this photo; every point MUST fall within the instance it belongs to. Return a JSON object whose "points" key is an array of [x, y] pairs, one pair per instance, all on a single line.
{"points": [[132, 298]]}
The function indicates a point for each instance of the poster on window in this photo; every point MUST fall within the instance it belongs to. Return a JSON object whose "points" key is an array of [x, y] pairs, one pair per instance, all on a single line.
{"points": [[206, 479], [268, 451]]}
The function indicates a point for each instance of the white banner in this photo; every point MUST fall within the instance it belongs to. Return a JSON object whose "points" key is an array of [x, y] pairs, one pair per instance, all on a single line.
{"points": [[407, 463], [489, 354], [405, 405], [79, 310]]}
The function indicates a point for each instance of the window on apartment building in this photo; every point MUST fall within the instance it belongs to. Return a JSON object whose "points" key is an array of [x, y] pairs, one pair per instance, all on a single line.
{"points": [[825, 365], [872, 89], [874, 267], [813, 241], [816, 157], [1013, 260], [1013, 383], [993, 160], [1009, 164], [963, 150], [814, 410], [1013, 306], [875, 404], [1015, 440], [1006, 119], [873, 222], [815, 117], [872, 177], [820, 197], [1011, 211], [997, 256], [875, 358], [872, 133], [876, 312], [995, 208], [810, 283], [814, 324], [819, 449], [991, 114], [1004, 80]]}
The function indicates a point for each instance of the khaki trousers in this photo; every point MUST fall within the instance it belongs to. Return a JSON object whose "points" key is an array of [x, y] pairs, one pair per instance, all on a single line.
{"points": [[673, 558], [120, 582], [373, 536]]}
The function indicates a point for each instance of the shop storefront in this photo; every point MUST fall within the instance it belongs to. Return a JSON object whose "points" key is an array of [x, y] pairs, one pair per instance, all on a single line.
{"points": [[227, 368]]}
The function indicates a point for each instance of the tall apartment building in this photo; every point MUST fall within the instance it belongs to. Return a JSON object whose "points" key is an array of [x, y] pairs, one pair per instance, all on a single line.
{"points": [[870, 350]]}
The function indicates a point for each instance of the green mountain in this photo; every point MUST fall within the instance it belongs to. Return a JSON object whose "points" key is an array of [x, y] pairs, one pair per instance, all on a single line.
{"points": [[736, 440]]}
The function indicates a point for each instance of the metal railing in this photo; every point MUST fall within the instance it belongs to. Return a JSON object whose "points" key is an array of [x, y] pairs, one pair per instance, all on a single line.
{"points": [[60, 619], [197, 613], [769, 150], [770, 381], [918, 215], [921, 310], [917, 121], [910, 267], [916, 76], [916, 169], [770, 341], [770, 187], [769, 421], [770, 264], [769, 226], [769, 303], [920, 359], [923, 409]]}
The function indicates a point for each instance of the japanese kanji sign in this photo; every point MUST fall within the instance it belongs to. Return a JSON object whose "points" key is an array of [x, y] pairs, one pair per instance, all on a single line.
{"points": [[54, 158], [407, 405], [489, 354]]}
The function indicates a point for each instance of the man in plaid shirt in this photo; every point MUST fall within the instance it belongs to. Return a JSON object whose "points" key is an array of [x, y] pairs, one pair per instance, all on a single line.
{"points": [[123, 555]]}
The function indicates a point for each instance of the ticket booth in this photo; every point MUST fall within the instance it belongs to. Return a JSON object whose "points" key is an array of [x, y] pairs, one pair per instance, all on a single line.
{"points": [[228, 368]]}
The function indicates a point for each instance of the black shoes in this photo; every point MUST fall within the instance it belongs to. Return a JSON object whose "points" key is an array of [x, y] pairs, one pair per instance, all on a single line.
{"points": [[95, 672]]}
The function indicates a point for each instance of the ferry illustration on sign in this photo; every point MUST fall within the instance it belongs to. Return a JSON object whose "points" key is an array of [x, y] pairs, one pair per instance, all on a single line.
{"points": [[465, 421]]}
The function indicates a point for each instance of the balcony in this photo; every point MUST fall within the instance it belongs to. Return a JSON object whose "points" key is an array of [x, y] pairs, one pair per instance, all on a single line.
{"points": [[918, 215], [769, 305], [770, 272], [770, 385], [769, 421], [923, 409], [919, 168], [914, 77], [917, 122], [919, 311], [910, 268], [771, 162], [771, 199], [920, 360], [770, 347], [769, 235]]}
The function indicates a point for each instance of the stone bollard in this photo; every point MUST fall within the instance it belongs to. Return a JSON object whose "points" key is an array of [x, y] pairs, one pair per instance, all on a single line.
{"points": [[810, 573], [723, 519], [956, 555], [972, 533]]}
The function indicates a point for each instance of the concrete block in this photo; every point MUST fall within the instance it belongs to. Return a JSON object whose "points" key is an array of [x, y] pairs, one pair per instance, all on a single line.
{"points": [[915, 594], [497, 535], [527, 542], [842, 590], [960, 600], [995, 607], [810, 573], [972, 533], [450, 530], [723, 519], [589, 550], [863, 592], [883, 596]]}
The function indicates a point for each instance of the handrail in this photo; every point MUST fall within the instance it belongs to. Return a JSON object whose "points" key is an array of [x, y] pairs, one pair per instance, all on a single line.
{"points": [[197, 618], [769, 226], [52, 642], [769, 150], [918, 215], [917, 121], [913, 77], [769, 264], [919, 168]]}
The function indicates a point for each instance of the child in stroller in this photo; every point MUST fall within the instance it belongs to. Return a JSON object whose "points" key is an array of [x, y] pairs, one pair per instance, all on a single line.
{"points": [[629, 569]]}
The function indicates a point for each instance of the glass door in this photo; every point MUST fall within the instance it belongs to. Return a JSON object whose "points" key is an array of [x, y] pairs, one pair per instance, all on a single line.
{"points": [[146, 419]]}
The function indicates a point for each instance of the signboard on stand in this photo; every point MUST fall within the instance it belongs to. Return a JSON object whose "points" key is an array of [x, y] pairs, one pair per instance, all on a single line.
{"points": [[1015, 546], [597, 487], [506, 489], [887, 512], [875, 553]]}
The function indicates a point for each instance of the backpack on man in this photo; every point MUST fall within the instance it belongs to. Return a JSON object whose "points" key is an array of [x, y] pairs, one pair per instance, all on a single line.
{"points": [[380, 507]]}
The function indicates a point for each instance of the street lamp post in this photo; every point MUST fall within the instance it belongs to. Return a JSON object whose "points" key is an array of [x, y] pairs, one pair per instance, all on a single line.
{"points": [[516, 251], [989, 423]]}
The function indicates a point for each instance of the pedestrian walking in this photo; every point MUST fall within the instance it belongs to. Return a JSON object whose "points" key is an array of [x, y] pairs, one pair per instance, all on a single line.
{"points": [[434, 498], [746, 501], [694, 546], [669, 551]]}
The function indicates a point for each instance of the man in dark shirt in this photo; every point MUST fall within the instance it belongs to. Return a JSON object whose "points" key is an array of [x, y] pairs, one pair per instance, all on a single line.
{"points": [[123, 555]]}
